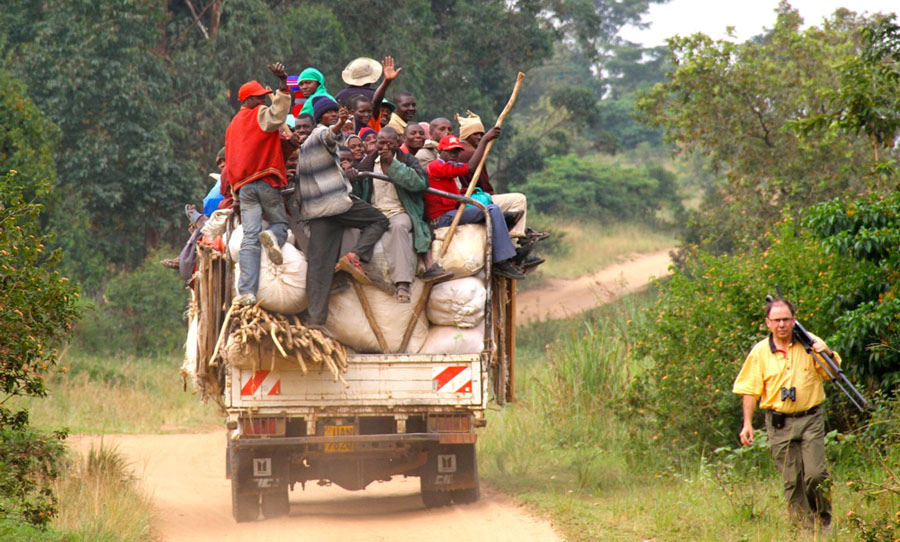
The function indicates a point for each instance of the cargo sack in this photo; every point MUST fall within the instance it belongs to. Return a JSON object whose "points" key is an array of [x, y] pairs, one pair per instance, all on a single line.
{"points": [[347, 323], [217, 223], [191, 352], [458, 303], [465, 257], [453, 340], [234, 242], [282, 288], [377, 267]]}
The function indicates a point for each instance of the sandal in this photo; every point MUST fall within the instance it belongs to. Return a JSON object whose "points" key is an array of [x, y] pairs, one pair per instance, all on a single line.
{"points": [[350, 264], [403, 294]]}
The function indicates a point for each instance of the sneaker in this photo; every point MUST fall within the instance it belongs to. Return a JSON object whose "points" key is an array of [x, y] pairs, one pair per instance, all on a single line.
{"points": [[436, 273], [531, 262], [245, 300], [350, 264], [509, 270], [171, 263], [536, 235], [270, 243]]}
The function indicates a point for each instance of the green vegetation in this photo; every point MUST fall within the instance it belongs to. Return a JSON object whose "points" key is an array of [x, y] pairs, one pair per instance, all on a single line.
{"points": [[570, 448], [121, 394]]}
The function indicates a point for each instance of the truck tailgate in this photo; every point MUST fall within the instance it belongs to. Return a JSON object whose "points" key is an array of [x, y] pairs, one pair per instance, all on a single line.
{"points": [[384, 380]]}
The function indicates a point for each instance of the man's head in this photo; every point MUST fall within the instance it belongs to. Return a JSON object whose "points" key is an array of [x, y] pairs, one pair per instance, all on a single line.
{"points": [[387, 140], [346, 157], [406, 105], [252, 94], [361, 107], [385, 114], [291, 163], [304, 124], [368, 138], [415, 137], [449, 148], [439, 128], [325, 110], [309, 81], [220, 159], [780, 318], [471, 128]]}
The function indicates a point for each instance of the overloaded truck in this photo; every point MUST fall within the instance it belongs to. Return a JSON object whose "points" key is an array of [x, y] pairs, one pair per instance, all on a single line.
{"points": [[388, 388]]}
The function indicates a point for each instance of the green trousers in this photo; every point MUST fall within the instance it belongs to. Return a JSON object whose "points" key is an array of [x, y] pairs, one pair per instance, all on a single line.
{"points": [[798, 450]]}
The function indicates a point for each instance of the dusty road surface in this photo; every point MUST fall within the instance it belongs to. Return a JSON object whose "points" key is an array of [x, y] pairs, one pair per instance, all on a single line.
{"points": [[185, 477], [560, 298]]}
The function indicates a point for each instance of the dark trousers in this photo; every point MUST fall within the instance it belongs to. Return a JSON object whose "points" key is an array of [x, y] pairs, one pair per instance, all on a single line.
{"points": [[500, 241], [325, 249]]}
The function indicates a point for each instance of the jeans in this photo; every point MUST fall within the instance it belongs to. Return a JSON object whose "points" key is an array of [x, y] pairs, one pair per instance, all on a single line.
{"points": [[257, 199], [503, 248]]}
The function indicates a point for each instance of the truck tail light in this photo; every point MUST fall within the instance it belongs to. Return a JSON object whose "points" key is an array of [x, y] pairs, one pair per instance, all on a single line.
{"points": [[263, 426], [451, 423]]}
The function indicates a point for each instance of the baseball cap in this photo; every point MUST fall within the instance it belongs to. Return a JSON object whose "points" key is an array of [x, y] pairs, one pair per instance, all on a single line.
{"points": [[252, 88], [449, 142]]}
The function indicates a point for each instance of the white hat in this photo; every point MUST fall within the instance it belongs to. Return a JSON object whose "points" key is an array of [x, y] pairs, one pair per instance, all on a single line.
{"points": [[361, 71]]}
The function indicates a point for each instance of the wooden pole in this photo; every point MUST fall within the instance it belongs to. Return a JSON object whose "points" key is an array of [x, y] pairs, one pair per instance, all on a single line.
{"points": [[420, 306], [512, 100], [370, 316]]}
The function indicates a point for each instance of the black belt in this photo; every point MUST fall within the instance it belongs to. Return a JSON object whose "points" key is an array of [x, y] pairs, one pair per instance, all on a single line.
{"points": [[811, 411]]}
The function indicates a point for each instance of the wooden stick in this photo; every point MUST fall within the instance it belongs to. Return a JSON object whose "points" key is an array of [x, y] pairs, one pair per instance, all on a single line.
{"points": [[411, 325], [224, 332], [367, 309], [449, 235], [511, 334]]}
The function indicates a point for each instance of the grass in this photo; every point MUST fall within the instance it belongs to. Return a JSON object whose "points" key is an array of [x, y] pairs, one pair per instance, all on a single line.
{"points": [[99, 500], [94, 394], [591, 246], [564, 449]]}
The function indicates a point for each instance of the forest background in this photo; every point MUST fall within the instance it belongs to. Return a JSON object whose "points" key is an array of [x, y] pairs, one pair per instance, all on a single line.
{"points": [[774, 161]]}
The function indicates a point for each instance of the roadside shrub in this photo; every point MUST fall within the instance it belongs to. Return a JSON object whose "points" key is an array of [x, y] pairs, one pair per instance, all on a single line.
{"points": [[588, 186], [142, 313], [709, 315]]}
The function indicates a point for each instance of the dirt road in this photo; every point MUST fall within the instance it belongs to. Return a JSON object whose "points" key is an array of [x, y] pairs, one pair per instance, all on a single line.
{"points": [[185, 477], [559, 298]]}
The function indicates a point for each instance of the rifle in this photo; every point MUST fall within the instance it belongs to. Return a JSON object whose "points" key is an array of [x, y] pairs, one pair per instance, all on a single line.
{"points": [[832, 369]]}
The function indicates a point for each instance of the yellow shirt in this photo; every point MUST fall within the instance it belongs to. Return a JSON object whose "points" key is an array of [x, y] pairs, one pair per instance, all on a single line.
{"points": [[766, 370]]}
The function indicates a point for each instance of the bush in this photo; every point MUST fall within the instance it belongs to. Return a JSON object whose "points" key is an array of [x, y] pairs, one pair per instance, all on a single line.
{"points": [[590, 187], [707, 318], [142, 314]]}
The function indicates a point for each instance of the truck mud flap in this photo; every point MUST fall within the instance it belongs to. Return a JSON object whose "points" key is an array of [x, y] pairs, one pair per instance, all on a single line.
{"points": [[450, 467]]}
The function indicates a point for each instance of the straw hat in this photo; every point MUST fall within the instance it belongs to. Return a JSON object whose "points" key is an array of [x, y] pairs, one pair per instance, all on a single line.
{"points": [[361, 71]]}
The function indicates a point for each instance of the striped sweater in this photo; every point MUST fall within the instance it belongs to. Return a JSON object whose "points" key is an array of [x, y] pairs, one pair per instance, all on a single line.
{"points": [[324, 190]]}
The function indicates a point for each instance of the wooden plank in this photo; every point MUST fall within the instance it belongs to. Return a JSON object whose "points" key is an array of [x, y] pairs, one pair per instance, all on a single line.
{"points": [[370, 316], [511, 344]]}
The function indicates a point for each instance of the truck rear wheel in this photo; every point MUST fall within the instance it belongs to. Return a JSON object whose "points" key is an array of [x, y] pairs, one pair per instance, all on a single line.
{"points": [[276, 504]]}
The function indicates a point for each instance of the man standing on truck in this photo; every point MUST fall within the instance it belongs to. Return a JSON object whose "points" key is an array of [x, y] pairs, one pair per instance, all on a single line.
{"points": [[255, 169], [787, 381]]}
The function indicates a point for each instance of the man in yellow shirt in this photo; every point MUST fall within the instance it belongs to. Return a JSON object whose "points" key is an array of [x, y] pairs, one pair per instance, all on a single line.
{"points": [[788, 383]]}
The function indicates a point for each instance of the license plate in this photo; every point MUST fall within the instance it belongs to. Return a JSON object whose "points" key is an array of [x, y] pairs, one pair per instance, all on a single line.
{"points": [[339, 431]]}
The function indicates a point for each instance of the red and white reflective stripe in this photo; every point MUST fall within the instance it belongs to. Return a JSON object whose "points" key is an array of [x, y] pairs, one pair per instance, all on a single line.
{"points": [[456, 379], [264, 382]]}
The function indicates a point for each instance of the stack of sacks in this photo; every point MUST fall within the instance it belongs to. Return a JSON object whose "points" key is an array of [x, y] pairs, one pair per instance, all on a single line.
{"points": [[282, 288], [465, 257], [347, 322], [456, 307]]}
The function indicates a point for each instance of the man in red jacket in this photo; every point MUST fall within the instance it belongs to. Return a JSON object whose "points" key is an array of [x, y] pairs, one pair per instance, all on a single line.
{"points": [[254, 167]]}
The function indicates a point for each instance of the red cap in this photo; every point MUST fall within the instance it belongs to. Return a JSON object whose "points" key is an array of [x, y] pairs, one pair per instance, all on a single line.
{"points": [[449, 142], [252, 88]]}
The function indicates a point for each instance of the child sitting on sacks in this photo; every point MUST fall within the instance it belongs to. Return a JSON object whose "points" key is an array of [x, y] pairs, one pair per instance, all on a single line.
{"points": [[440, 211]]}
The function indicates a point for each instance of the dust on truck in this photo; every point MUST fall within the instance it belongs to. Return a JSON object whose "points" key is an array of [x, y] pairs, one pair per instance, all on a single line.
{"points": [[387, 391]]}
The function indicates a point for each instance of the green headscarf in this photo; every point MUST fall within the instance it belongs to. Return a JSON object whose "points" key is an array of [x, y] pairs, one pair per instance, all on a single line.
{"points": [[312, 74]]}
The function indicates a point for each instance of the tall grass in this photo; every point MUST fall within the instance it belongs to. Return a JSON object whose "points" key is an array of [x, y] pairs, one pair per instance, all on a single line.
{"points": [[99, 499], [566, 448], [109, 394]]}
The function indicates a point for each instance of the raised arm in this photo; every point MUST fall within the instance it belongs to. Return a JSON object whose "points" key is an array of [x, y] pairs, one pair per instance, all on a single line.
{"points": [[491, 134], [389, 75]]}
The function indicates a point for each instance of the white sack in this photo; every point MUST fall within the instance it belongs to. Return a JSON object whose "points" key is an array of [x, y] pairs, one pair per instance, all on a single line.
{"points": [[452, 340], [458, 303], [465, 257], [216, 223], [191, 351], [347, 322], [234, 242], [282, 288]]}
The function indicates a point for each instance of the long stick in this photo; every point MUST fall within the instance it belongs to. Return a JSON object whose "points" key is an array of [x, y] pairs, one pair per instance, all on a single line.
{"points": [[414, 317], [512, 100], [370, 316]]}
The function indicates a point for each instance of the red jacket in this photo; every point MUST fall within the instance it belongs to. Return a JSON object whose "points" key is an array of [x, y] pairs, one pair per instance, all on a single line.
{"points": [[251, 153], [442, 176]]}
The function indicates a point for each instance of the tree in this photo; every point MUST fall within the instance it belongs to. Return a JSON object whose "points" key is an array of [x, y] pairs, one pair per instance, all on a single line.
{"points": [[736, 105], [37, 305]]}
